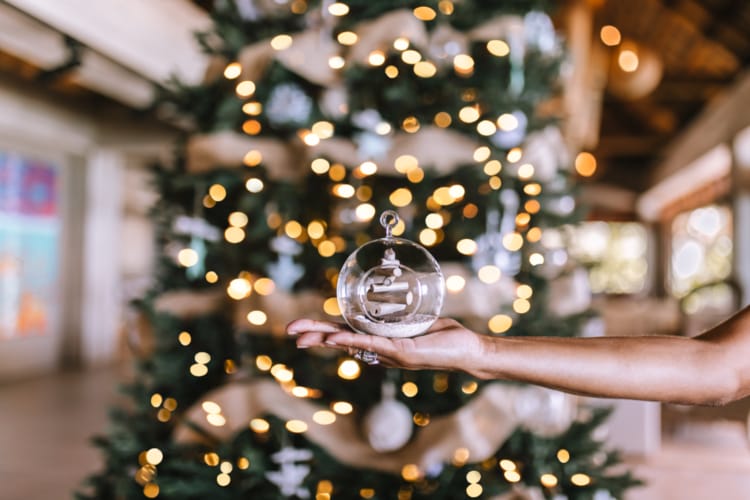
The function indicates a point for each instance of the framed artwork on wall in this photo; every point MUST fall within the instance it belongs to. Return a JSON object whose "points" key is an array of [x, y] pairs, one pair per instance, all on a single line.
{"points": [[30, 225]]}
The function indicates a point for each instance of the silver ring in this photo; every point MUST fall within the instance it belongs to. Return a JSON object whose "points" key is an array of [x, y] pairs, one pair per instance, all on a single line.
{"points": [[369, 357]]}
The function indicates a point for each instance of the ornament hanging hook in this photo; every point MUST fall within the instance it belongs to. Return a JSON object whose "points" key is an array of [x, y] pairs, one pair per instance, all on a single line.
{"points": [[389, 219]]}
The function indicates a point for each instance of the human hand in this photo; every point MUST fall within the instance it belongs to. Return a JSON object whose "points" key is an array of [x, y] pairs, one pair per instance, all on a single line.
{"points": [[447, 345]]}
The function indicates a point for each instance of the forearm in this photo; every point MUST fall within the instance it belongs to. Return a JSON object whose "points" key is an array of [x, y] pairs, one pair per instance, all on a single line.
{"points": [[669, 369]]}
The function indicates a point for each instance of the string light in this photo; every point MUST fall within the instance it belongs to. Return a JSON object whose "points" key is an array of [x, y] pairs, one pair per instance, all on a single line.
{"points": [[376, 58], [245, 88], [498, 48], [424, 13], [281, 42], [232, 71], [347, 38], [500, 323], [338, 9], [585, 164], [409, 389], [610, 35]]}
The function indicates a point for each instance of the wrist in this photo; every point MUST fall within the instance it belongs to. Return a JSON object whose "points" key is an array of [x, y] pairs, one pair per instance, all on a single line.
{"points": [[484, 365]]}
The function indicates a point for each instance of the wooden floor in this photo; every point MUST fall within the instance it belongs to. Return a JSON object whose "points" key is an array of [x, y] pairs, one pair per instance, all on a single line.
{"points": [[46, 425]]}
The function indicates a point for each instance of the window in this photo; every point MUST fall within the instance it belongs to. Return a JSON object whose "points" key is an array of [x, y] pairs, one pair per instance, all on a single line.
{"points": [[701, 249], [615, 253]]}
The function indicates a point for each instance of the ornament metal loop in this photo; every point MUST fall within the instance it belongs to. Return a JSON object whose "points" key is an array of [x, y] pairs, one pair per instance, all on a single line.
{"points": [[389, 219]]}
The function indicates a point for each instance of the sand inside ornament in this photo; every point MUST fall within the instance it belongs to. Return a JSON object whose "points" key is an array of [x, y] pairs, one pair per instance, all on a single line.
{"points": [[411, 327]]}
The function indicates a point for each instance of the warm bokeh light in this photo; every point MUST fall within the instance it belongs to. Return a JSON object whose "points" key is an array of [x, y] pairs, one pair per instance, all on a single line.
{"points": [[498, 48], [424, 13], [425, 69], [489, 274], [296, 426], [342, 407], [468, 114], [187, 257], [610, 35], [217, 192], [254, 185], [466, 246], [409, 389], [331, 307], [628, 60], [585, 164], [463, 64], [245, 88], [482, 153], [281, 42], [338, 9], [580, 479], [260, 425], [232, 71], [401, 197], [492, 167], [500, 323], [257, 317], [455, 283], [349, 369], [443, 120], [548, 480], [347, 38], [376, 58], [320, 166]]}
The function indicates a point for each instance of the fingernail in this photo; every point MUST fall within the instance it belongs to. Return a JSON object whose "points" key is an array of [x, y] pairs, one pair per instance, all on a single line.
{"points": [[330, 342], [302, 346]]}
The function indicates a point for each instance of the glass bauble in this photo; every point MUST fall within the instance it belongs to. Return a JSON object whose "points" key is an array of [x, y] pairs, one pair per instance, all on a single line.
{"points": [[391, 286]]}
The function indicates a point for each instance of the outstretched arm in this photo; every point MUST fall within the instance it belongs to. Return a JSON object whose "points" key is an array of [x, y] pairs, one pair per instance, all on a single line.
{"points": [[713, 368]]}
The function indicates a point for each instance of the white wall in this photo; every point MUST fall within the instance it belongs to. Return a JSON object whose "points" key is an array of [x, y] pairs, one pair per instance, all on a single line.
{"points": [[92, 158]]}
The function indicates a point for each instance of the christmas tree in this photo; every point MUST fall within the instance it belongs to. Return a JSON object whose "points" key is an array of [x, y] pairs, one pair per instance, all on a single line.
{"points": [[313, 119]]}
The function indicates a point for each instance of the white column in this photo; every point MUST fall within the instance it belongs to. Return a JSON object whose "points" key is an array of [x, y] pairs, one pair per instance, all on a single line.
{"points": [[741, 202], [101, 305]]}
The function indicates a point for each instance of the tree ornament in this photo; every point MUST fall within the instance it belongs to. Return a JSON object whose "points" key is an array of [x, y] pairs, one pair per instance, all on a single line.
{"points": [[199, 231], [390, 286], [540, 33], [290, 475], [285, 272], [388, 425], [490, 249], [545, 412], [287, 105]]}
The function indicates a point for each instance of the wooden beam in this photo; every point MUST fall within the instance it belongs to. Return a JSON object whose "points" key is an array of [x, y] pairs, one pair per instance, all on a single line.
{"points": [[719, 121], [153, 38], [30, 40]]}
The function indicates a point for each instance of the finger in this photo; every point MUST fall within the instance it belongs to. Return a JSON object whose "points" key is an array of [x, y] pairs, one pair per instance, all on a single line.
{"points": [[381, 345], [310, 339], [298, 326]]}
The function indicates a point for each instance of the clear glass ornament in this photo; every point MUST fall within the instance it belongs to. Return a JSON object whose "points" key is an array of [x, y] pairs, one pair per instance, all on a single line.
{"points": [[391, 286]]}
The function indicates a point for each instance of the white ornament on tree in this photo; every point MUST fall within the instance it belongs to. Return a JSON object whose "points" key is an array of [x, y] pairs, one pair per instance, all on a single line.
{"points": [[290, 475], [288, 105], [540, 32], [285, 272], [545, 412], [388, 425]]}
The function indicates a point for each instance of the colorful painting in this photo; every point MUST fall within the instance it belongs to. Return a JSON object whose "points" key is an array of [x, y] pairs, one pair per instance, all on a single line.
{"points": [[29, 245]]}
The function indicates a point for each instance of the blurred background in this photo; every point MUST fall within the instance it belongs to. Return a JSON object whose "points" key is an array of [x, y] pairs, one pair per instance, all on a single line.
{"points": [[654, 102]]}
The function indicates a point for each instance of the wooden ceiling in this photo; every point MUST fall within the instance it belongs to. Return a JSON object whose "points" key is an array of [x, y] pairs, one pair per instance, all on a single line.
{"points": [[698, 47], [703, 46]]}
